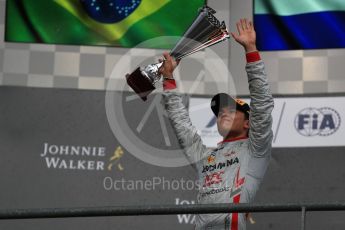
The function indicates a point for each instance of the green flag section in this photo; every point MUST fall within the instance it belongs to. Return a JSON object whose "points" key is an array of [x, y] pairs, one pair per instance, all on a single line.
{"points": [[70, 22], [287, 8]]}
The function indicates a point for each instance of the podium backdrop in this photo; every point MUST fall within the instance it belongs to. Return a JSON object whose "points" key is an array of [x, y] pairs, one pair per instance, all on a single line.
{"points": [[57, 151]]}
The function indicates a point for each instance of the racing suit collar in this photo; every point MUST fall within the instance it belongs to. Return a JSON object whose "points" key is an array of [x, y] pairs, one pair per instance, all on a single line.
{"points": [[232, 140]]}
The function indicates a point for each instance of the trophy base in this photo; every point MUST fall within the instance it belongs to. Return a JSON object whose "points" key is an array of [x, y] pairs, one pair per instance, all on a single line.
{"points": [[140, 84]]}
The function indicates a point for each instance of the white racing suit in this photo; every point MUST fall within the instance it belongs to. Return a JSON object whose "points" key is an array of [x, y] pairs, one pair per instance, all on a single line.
{"points": [[233, 171]]}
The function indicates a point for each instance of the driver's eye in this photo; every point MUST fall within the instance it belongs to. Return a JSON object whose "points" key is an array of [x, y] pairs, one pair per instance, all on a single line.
{"points": [[230, 111], [226, 111]]}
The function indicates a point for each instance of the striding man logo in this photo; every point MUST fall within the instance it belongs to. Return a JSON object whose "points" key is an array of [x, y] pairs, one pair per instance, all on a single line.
{"points": [[114, 159]]}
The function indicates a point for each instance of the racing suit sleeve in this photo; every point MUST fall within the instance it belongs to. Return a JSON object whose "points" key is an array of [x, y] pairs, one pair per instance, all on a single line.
{"points": [[186, 133], [260, 126], [261, 106]]}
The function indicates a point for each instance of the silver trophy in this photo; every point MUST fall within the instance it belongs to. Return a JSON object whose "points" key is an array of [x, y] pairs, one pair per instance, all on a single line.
{"points": [[205, 31]]}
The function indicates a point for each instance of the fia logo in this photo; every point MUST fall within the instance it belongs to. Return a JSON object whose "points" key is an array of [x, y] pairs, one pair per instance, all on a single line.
{"points": [[317, 122]]}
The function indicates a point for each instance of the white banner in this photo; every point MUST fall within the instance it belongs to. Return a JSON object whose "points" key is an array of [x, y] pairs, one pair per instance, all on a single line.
{"points": [[297, 122]]}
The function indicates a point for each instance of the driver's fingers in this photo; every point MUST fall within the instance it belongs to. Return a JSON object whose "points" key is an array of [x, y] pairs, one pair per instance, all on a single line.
{"points": [[167, 56], [250, 25], [245, 21]]}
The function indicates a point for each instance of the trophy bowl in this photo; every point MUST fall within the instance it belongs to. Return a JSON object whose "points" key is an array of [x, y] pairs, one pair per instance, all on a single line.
{"points": [[205, 31]]}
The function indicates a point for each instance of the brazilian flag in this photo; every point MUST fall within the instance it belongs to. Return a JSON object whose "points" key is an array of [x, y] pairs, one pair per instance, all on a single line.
{"points": [[123, 23]]}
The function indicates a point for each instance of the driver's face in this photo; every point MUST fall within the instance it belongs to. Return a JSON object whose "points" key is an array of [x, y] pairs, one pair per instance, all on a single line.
{"points": [[230, 120]]}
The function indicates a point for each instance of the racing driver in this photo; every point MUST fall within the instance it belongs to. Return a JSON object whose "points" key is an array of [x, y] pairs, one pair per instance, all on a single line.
{"points": [[233, 171]]}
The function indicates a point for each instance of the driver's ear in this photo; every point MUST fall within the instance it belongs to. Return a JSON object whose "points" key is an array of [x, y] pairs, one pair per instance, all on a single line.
{"points": [[246, 124]]}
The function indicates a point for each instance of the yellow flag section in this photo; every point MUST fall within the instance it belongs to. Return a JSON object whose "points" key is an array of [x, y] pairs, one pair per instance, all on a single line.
{"points": [[115, 31]]}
